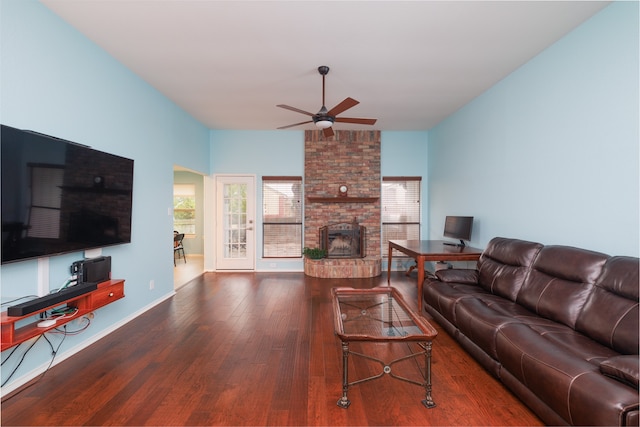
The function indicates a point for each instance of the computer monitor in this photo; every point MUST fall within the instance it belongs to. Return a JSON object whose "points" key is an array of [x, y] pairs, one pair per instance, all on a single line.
{"points": [[458, 227]]}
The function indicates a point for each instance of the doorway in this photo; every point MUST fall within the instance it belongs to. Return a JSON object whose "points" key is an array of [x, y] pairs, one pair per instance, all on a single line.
{"points": [[189, 200], [235, 222]]}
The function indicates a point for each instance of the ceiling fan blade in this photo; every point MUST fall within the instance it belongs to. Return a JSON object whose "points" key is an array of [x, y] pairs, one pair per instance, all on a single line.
{"points": [[297, 110], [295, 124], [356, 120], [328, 132], [343, 106]]}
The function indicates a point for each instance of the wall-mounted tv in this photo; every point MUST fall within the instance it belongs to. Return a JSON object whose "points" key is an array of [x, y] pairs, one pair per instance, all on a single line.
{"points": [[458, 227], [60, 197]]}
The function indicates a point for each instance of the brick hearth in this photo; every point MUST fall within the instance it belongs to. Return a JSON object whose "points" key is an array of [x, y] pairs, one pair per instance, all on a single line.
{"points": [[343, 268]]}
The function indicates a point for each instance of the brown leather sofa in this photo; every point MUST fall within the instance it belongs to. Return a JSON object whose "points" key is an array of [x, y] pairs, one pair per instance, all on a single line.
{"points": [[557, 325]]}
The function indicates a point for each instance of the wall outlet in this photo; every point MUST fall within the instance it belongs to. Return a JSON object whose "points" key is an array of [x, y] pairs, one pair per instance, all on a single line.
{"points": [[152, 284]]}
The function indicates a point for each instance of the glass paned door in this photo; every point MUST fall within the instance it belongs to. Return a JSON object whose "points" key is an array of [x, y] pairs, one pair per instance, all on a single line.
{"points": [[235, 223]]}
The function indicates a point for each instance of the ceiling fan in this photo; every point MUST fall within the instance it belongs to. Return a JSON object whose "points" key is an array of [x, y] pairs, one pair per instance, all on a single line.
{"points": [[324, 118]]}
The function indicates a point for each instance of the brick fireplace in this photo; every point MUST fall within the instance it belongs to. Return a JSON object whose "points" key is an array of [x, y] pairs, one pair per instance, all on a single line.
{"points": [[350, 158]]}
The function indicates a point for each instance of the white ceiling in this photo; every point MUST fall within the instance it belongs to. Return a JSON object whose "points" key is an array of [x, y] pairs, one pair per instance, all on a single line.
{"points": [[409, 63]]}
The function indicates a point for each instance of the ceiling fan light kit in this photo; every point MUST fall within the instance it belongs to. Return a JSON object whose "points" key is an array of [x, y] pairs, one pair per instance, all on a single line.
{"points": [[324, 119], [323, 124]]}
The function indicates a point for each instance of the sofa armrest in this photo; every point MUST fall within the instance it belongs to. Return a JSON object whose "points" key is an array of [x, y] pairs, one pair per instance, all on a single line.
{"points": [[466, 276], [622, 368]]}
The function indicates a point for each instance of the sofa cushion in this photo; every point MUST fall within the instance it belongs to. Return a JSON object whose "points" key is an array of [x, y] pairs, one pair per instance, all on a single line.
{"points": [[540, 365], [623, 368], [504, 265], [480, 319], [610, 315], [572, 342], [444, 296], [560, 281], [458, 275], [572, 386]]}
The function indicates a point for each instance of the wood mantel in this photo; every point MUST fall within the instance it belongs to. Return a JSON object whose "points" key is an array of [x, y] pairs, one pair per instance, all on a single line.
{"points": [[343, 199]]}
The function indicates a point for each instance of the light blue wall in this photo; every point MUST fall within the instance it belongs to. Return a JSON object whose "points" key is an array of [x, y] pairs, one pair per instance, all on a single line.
{"points": [[264, 153], [55, 81], [269, 152], [550, 153], [260, 153], [405, 154]]}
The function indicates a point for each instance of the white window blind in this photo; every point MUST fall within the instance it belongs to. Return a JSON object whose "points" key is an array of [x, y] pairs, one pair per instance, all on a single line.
{"points": [[400, 210], [281, 217]]}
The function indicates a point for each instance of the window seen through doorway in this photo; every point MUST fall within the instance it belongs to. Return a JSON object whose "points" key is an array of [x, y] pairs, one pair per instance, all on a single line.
{"points": [[184, 208]]}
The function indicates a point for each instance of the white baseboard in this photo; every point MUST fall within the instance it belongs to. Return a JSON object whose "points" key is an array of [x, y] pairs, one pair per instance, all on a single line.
{"points": [[34, 373]]}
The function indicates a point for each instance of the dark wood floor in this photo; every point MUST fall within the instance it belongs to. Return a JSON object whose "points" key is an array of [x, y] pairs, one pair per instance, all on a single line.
{"points": [[254, 349]]}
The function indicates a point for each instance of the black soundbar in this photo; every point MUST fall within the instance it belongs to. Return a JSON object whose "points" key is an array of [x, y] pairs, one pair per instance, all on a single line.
{"points": [[51, 299]]}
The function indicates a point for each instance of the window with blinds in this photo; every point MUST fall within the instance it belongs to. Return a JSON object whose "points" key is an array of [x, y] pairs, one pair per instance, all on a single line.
{"points": [[281, 216], [400, 210]]}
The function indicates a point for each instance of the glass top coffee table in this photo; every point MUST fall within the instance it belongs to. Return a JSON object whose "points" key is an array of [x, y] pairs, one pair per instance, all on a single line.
{"points": [[380, 315]]}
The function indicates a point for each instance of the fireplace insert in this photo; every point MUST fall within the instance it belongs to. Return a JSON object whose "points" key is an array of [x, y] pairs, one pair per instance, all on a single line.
{"points": [[343, 240]]}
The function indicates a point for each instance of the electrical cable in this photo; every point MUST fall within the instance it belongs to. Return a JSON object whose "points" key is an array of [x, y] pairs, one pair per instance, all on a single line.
{"points": [[10, 354], [76, 332], [54, 352], [68, 315], [63, 310], [70, 280], [18, 299], [20, 362]]}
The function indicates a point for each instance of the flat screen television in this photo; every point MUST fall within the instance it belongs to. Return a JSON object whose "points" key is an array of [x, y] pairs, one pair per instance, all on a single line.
{"points": [[458, 227], [60, 197]]}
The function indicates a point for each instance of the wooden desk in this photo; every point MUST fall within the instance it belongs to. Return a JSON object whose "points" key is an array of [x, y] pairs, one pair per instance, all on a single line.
{"points": [[430, 250]]}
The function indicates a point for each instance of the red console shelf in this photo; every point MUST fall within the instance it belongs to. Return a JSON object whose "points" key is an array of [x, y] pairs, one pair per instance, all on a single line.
{"points": [[107, 292]]}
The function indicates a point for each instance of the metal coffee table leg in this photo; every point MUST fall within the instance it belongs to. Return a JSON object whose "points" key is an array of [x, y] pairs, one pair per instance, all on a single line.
{"points": [[428, 401], [344, 402]]}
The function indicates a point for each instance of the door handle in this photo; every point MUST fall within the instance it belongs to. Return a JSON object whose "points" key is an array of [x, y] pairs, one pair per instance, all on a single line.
{"points": [[249, 228]]}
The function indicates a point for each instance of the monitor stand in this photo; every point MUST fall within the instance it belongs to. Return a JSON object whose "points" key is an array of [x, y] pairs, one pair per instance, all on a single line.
{"points": [[459, 245]]}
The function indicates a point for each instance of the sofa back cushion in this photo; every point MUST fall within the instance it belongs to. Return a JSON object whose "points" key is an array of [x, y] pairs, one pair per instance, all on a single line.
{"points": [[561, 279], [610, 315], [504, 264]]}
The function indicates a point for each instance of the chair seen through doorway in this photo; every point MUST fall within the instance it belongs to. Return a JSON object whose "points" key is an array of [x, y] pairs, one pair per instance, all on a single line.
{"points": [[177, 247]]}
